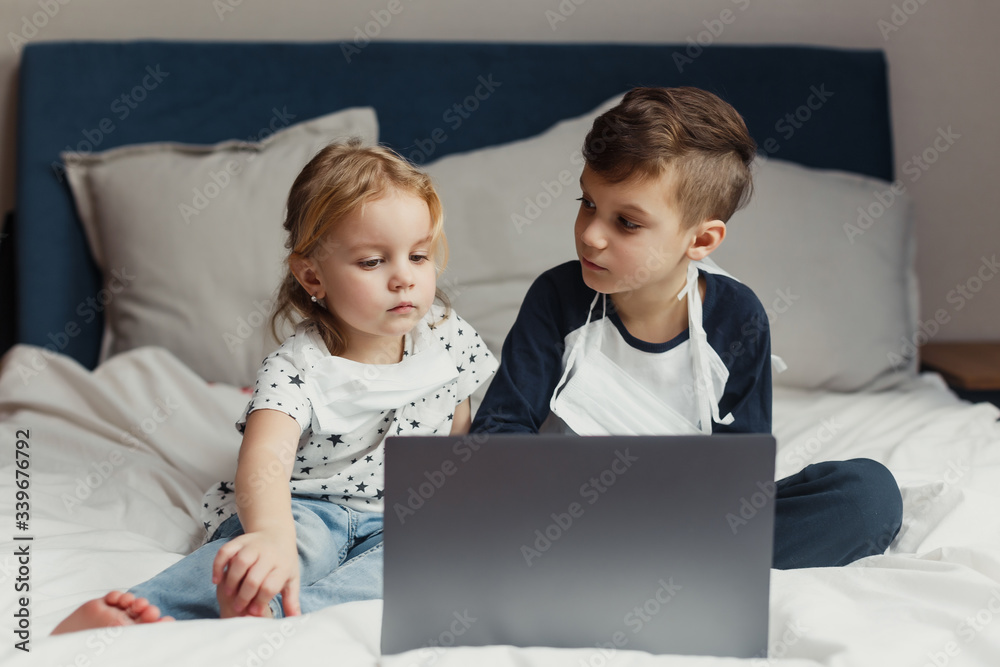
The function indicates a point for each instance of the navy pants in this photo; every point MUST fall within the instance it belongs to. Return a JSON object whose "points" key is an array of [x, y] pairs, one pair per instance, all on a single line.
{"points": [[834, 513]]}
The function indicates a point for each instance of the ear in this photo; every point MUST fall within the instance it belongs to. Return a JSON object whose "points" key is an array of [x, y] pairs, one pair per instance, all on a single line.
{"points": [[705, 237], [304, 270]]}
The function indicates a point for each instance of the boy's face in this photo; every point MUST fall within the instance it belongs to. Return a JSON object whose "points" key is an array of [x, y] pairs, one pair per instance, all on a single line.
{"points": [[629, 236]]}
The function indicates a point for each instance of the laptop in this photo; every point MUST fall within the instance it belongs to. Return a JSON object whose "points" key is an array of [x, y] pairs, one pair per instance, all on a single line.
{"points": [[654, 543]]}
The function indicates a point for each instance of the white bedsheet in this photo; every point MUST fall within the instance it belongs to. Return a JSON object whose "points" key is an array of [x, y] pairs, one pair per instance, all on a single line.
{"points": [[120, 457]]}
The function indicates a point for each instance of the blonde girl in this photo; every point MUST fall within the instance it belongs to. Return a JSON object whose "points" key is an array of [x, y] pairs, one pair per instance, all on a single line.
{"points": [[375, 351]]}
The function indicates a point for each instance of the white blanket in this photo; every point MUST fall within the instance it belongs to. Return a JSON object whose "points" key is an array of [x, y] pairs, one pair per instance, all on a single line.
{"points": [[120, 457]]}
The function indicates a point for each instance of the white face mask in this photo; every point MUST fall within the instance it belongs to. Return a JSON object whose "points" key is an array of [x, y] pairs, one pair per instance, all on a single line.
{"points": [[347, 394], [596, 397]]}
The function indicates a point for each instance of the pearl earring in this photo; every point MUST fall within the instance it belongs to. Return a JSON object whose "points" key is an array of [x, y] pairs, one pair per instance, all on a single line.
{"points": [[314, 299]]}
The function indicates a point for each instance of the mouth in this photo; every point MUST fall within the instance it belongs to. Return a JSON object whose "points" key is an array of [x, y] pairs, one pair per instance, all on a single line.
{"points": [[587, 264], [403, 308]]}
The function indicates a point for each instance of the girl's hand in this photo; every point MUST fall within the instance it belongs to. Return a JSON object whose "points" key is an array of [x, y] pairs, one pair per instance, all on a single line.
{"points": [[251, 569]]}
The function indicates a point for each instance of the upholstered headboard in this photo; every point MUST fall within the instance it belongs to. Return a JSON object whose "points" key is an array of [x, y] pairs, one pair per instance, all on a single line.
{"points": [[818, 107]]}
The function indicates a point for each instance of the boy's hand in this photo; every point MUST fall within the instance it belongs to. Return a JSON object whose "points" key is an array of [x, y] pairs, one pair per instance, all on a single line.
{"points": [[251, 569]]}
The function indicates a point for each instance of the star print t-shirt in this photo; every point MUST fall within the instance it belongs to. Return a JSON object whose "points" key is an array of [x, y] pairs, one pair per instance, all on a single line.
{"points": [[345, 409]]}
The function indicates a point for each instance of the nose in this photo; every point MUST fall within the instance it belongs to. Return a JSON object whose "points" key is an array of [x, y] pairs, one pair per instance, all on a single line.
{"points": [[402, 275], [592, 234]]}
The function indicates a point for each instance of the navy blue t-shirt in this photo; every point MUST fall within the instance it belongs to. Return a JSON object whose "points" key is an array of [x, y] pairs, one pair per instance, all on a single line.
{"points": [[557, 305]]}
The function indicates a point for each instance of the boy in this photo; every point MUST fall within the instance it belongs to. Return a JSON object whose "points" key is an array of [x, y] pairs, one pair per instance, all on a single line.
{"points": [[666, 345]]}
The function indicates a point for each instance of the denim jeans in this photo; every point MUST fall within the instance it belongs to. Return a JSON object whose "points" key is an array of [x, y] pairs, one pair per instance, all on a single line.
{"points": [[340, 560]]}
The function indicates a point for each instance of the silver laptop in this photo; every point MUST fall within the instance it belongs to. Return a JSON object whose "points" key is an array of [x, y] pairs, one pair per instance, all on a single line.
{"points": [[659, 544]]}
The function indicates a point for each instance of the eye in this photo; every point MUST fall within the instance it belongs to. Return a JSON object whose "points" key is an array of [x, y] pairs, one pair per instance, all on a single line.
{"points": [[372, 263], [417, 259], [585, 203], [626, 225]]}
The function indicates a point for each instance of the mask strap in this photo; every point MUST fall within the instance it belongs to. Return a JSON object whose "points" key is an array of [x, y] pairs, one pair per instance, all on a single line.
{"points": [[580, 343], [604, 320], [708, 409]]}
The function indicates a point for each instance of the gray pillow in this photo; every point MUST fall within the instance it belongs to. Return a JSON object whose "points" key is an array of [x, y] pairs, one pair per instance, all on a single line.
{"points": [[834, 269], [190, 240]]}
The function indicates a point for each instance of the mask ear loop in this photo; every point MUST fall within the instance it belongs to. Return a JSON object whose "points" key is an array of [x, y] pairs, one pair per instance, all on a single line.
{"points": [[581, 342], [604, 321], [708, 409]]}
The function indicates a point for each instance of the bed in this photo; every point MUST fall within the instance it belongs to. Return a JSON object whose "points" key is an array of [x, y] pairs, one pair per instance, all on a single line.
{"points": [[147, 245]]}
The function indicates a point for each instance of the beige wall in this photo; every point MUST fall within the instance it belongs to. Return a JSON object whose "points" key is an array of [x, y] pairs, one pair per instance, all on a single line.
{"points": [[944, 72]]}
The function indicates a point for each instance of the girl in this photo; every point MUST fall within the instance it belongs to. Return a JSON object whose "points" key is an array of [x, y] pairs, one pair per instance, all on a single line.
{"points": [[372, 355]]}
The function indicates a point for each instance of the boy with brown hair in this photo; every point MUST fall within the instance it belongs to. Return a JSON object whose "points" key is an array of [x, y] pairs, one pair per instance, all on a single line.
{"points": [[631, 338]]}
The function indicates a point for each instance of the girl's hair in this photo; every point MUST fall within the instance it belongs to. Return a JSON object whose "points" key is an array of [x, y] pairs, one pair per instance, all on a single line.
{"points": [[695, 133], [339, 180]]}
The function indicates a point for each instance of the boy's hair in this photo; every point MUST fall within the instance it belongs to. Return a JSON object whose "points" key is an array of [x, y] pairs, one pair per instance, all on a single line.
{"points": [[691, 131], [336, 182]]}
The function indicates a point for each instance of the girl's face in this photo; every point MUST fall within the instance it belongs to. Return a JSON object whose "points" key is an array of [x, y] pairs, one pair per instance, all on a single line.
{"points": [[375, 271]]}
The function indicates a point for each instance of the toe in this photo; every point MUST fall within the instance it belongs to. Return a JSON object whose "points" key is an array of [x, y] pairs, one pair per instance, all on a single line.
{"points": [[125, 601], [149, 614], [138, 607]]}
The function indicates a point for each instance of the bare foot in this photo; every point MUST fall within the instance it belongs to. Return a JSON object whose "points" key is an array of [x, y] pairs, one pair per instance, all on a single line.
{"points": [[115, 608]]}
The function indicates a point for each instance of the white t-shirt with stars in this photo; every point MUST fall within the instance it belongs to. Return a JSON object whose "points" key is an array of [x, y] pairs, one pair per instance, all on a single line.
{"points": [[345, 409]]}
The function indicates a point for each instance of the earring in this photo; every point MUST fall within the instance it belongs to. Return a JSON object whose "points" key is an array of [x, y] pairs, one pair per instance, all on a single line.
{"points": [[314, 299]]}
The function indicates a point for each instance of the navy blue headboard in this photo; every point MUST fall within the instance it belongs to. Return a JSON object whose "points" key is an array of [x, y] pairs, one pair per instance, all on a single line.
{"points": [[819, 107]]}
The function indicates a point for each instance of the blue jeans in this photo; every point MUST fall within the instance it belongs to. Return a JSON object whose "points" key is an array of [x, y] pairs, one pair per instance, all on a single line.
{"points": [[340, 560]]}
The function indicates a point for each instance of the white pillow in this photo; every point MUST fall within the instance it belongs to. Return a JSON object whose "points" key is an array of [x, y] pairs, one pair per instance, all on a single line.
{"points": [[190, 239], [509, 212], [834, 267], [846, 307]]}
